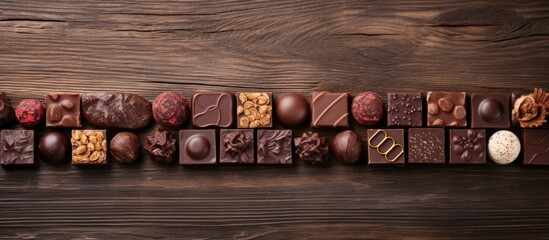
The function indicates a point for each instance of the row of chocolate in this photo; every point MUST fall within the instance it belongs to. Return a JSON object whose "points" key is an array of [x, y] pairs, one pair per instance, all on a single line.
{"points": [[255, 110], [267, 146]]}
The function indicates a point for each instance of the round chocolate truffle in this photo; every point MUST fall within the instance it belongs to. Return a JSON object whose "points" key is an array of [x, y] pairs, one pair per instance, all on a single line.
{"points": [[170, 109], [347, 147], [30, 113], [490, 110], [367, 108], [197, 147], [125, 147], [54, 147], [292, 110], [7, 114], [503, 147]]}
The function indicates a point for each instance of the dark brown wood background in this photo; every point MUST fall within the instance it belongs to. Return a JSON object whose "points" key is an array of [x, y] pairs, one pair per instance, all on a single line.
{"points": [[147, 47]]}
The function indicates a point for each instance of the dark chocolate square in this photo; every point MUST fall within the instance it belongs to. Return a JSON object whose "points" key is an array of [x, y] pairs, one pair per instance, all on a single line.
{"points": [[89, 147], [17, 148], [330, 110], [236, 146], [254, 109], [467, 146], [386, 146], [274, 146], [446, 109], [536, 146], [490, 110], [405, 109], [212, 109], [426, 145], [63, 110], [197, 147]]}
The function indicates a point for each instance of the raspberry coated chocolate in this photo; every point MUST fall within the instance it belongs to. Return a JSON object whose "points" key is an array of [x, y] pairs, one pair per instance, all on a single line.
{"points": [[367, 108], [170, 109], [30, 113]]}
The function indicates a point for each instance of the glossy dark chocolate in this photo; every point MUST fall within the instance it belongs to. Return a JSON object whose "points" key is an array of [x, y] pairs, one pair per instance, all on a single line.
{"points": [[347, 147], [212, 109], [386, 146], [490, 110], [7, 114], [161, 146], [197, 147], [274, 146], [467, 146], [312, 148], [236, 146], [116, 110], [446, 109], [536, 146], [254, 110], [426, 145], [17, 147], [405, 109], [170, 109], [367, 108], [63, 110], [330, 110], [54, 147], [125, 147], [292, 110]]}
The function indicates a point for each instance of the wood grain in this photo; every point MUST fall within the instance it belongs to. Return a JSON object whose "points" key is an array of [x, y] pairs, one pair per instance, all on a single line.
{"points": [[147, 47]]}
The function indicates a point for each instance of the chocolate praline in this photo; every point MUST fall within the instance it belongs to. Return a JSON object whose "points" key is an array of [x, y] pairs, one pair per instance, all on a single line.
{"points": [[54, 147], [170, 109], [347, 147], [30, 113], [292, 110], [161, 146], [367, 108], [7, 114], [125, 147], [312, 148]]}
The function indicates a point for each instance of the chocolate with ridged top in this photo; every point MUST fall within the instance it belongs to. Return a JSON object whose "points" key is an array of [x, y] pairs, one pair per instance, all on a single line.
{"points": [[17, 148], [236, 146], [274, 146], [116, 110], [7, 114]]}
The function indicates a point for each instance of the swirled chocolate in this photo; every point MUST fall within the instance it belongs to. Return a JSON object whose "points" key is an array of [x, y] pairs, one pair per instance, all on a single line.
{"points": [[237, 146], [274, 146], [170, 109], [17, 147], [161, 146], [116, 110], [7, 114], [312, 148]]}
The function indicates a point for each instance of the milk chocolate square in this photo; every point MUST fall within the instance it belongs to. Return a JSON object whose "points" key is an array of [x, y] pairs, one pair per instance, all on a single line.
{"points": [[63, 110], [446, 109], [212, 109], [330, 110]]}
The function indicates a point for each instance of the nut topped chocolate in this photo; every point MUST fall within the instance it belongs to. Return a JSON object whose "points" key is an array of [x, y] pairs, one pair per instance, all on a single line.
{"points": [[446, 109], [63, 110], [254, 109], [467, 146], [312, 148], [89, 147], [404, 109], [17, 148], [116, 110], [274, 146], [212, 109], [236, 146], [7, 114], [330, 110], [490, 110]]}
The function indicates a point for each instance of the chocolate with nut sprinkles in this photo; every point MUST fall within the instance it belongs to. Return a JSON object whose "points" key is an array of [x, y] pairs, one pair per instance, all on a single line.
{"points": [[426, 145], [63, 110], [89, 147], [254, 109], [116, 110], [274, 146], [17, 148], [197, 147], [236, 146]]}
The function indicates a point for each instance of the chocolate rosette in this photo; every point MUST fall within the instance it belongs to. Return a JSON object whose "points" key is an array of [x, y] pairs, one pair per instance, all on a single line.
{"points": [[312, 148], [161, 145], [236, 144], [170, 109]]}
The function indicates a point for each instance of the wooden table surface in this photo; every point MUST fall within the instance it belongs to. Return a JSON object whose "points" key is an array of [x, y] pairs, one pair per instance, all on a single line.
{"points": [[147, 47]]}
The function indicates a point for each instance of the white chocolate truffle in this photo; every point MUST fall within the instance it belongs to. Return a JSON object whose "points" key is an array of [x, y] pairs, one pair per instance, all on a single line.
{"points": [[503, 147]]}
